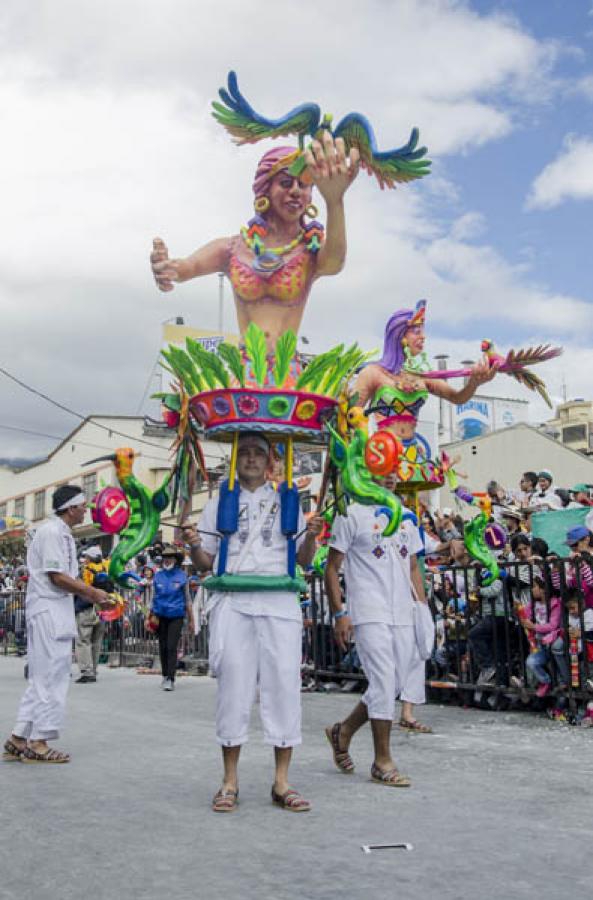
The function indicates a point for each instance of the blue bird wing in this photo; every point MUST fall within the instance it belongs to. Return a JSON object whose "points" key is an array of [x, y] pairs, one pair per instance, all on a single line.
{"points": [[247, 126], [388, 166]]}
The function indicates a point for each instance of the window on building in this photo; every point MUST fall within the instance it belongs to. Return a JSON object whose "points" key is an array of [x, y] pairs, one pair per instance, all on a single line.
{"points": [[89, 485], [3, 510], [39, 505], [573, 433], [19, 507]]}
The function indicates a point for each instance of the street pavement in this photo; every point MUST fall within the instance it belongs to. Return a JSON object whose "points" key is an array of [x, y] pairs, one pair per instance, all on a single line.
{"points": [[500, 805]]}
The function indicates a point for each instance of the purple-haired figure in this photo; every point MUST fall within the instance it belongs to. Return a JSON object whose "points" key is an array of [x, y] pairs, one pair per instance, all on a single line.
{"points": [[395, 391], [274, 261]]}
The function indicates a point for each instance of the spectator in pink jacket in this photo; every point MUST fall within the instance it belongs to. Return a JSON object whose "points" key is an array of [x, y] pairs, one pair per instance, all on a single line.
{"points": [[580, 574], [547, 627]]}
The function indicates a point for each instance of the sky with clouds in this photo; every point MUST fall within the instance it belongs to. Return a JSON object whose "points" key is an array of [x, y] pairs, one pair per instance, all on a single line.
{"points": [[107, 141]]}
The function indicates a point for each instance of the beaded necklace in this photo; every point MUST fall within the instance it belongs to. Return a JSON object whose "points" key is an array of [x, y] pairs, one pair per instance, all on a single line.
{"points": [[270, 259]]}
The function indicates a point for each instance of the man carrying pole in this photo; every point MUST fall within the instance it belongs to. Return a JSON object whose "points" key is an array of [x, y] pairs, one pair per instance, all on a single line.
{"points": [[255, 636]]}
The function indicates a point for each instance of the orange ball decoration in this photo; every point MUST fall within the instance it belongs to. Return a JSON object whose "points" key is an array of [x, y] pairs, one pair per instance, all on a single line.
{"points": [[382, 452]]}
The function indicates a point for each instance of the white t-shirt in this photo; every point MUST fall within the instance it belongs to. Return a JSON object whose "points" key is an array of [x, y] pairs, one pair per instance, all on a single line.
{"points": [[376, 569], [267, 554], [546, 499], [52, 550]]}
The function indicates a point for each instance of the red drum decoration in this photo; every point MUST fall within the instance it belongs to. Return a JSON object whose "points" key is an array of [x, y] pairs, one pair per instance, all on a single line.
{"points": [[382, 452], [111, 510]]}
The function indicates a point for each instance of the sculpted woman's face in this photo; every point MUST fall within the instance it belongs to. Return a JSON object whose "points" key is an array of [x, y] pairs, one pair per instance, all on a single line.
{"points": [[289, 197], [415, 339]]}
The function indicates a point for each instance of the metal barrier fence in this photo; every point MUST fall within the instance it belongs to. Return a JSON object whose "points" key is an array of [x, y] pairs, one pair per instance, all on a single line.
{"points": [[483, 640], [125, 641]]}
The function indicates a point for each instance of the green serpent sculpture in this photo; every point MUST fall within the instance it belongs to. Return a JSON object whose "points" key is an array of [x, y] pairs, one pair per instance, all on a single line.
{"points": [[356, 480], [145, 514]]}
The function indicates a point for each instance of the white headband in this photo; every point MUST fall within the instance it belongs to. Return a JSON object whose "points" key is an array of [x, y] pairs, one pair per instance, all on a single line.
{"points": [[76, 500]]}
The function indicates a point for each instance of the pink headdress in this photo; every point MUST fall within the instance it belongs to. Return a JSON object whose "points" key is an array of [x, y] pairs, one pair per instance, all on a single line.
{"points": [[270, 164]]}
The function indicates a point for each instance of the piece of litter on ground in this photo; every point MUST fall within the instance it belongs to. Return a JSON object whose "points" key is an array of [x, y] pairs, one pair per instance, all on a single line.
{"points": [[368, 848]]}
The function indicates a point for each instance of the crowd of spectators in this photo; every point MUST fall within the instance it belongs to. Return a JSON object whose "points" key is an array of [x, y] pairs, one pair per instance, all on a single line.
{"points": [[529, 631]]}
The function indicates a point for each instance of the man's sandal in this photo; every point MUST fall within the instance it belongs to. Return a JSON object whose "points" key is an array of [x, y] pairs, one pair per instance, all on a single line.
{"points": [[50, 756], [12, 753], [291, 800], [225, 801], [390, 778], [414, 725], [342, 758]]}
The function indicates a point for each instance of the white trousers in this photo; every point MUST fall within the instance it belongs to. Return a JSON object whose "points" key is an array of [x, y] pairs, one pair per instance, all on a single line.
{"points": [[41, 713], [254, 650], [414, 684], [387, 655]]}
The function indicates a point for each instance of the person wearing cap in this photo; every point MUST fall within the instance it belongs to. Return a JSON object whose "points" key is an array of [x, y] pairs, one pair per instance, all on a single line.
{"points": [[511, 519], [89, 626], [580, 496], [546, 497], [171, 602], [51, 626], [580, 573], [255, 637]]}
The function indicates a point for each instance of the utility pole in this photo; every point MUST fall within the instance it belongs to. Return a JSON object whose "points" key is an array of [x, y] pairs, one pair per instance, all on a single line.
{"points": [[220, 301]]}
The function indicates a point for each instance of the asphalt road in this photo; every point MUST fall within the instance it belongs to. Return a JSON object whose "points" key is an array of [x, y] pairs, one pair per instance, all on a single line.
{"points": [[500, 806]]}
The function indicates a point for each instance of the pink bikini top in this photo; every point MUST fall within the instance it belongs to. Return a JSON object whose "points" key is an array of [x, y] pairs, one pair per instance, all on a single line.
{"points": [[287, 286]]}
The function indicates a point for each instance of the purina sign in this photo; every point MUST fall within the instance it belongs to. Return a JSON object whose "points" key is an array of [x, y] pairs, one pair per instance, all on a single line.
{"points": [[481, 415]]}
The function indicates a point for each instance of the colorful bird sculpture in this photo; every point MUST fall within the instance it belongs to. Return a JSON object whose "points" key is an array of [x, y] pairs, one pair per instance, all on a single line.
{"points": [[487, 347], [247, 127]]}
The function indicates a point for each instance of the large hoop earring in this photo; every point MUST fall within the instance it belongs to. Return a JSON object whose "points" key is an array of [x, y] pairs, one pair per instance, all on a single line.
{"points": [[261, 205], [312, 211]]}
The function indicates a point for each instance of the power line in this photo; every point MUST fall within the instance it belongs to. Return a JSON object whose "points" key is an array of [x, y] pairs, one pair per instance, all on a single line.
{"points": [[56, 437], [78, 415]]}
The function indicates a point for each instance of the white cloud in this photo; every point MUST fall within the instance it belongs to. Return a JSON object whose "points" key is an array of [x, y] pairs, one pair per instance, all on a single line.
{"points": [[468, 226], [569, 176], [107, 141], [584, 86]]}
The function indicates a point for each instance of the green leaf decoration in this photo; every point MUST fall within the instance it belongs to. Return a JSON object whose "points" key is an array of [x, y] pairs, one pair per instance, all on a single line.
{"points": [[335, 373], [232, 357], [318, 367], [285, 351], [189, 374], [255, 345], [171, 401], [212, 369]]}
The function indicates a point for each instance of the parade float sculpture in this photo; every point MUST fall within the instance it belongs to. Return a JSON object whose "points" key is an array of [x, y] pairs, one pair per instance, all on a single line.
{"points": [[274, 260], [226, 394], [132, 511], [395, 388], [272, 263]]}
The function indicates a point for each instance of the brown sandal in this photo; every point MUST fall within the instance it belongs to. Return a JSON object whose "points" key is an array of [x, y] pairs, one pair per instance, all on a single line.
{"points": [[12, 753], [50, 756], [390, 778], [414, 725], [342, 758], [225, 801], [291, 800]]}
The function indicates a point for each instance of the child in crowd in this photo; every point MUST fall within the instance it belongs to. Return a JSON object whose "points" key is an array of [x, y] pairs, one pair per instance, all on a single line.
{"points": [[578, 668], [546, 625]]}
